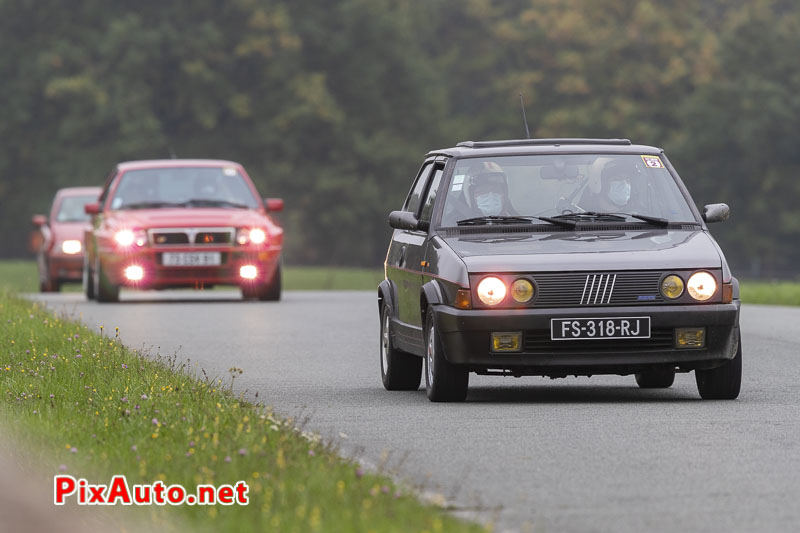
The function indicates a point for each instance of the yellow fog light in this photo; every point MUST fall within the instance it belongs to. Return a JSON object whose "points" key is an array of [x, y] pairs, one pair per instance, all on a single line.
{"points": [[672, 287], [491, 290], [690, 337], [522, 291], [506, 341], [702, 286]]}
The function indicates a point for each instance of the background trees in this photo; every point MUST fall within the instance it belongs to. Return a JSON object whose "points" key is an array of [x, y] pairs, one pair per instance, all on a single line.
{"points": [[333, 105]]}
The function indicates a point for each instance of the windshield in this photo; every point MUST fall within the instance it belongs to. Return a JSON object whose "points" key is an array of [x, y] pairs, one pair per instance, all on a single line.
{"points": [[183, 187], [552, 185], [71, 209]]}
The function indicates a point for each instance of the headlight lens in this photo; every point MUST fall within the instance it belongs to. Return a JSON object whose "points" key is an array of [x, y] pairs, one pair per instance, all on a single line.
{"points": [[522, 291], [702, 286], [258, 236], [126, 237], [491, 290], [71, 247], [251, 235], [672, 287]]}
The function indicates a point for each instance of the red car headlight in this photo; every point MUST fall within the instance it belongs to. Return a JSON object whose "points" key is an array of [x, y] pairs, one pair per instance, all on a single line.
{"points": [[251, 235], [127, 238]]}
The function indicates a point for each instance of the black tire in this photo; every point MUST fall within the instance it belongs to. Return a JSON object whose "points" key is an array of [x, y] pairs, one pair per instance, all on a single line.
{"points": [[661, 378], [444, 382], [268, 292], [49, 285], [104, 290], [88, 281], [723, 382], [399, 370]]}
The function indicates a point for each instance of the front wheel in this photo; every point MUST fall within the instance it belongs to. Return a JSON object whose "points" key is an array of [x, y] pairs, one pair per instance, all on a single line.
{"points": [[444, 382], [104, 290], [268, 292], [399, 370], [723, 382]]}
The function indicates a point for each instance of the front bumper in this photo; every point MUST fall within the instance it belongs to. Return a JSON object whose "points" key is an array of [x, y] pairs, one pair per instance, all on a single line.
{"points": [[63, 267], [466, 341], [159, 276]]}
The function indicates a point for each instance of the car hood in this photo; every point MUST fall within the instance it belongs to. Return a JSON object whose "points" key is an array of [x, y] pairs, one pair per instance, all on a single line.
{"points": [[63, 231], [186, 217], [584, 250]]}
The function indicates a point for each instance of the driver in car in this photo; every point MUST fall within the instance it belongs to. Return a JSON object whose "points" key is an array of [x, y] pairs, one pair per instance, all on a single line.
{"points": [[488, 190]]}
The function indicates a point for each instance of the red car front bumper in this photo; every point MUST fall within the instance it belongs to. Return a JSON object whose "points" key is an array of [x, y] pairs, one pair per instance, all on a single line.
{"points": [[157, 275]]}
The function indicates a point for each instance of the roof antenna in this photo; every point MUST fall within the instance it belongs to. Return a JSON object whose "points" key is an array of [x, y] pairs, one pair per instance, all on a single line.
{"points": [[524, 118]]}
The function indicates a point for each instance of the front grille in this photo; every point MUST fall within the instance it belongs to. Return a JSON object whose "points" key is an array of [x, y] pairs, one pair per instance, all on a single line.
{"points": [[167, 238], [538, 341], [191, 236], [213, 237], [587, 289]]}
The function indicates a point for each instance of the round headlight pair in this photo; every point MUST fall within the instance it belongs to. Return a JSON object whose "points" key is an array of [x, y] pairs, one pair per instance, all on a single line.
{"points": [[701, 286], [492, 290]]}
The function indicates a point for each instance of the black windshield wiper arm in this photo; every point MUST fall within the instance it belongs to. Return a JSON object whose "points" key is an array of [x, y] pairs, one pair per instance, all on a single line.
{"points": [[149, 205], [494, 219], [210, 202], [653, 220]]}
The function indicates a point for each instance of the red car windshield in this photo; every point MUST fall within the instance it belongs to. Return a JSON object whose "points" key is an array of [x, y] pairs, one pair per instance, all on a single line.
{"points": [[183, 187], [71, 209]]}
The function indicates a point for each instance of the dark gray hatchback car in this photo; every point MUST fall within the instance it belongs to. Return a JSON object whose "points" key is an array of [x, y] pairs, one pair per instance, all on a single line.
{"points": [[556, 257]]}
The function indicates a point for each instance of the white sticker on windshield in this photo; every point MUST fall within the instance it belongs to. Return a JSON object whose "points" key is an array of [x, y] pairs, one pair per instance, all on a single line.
{"points": [[458, 182], [229, 171], [652, 161]]}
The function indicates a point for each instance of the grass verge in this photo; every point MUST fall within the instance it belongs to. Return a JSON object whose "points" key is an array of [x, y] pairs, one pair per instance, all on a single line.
{"points": [[93, 408], [22, 276], [770, 292]]}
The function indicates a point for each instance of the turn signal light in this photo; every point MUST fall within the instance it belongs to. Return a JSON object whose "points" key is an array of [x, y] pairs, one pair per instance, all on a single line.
{"points": [[727, 293], [463, 299]]}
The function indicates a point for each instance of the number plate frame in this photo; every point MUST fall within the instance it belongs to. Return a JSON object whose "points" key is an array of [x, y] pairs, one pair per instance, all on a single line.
{"points": [[191, 259], [585, 326]]}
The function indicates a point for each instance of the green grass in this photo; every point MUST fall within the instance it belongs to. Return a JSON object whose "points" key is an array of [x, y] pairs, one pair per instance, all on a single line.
{"points": [[85, 404], [22, 276], [770, 292]]}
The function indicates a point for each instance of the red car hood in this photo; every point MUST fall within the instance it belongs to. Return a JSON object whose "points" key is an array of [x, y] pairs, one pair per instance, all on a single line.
{"points": [[63, 231], [186, 217]]}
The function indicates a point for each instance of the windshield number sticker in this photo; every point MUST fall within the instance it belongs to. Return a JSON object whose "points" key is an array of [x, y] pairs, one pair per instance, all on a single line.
{"points": [[652, 161], [228, 171]]}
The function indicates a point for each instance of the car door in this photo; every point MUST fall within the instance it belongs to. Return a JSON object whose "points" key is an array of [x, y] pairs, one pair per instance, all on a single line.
{"points": [[403, 261]]}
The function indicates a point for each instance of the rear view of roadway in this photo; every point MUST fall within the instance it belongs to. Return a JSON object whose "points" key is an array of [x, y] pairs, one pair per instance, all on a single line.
{"points": [[531, 454]]}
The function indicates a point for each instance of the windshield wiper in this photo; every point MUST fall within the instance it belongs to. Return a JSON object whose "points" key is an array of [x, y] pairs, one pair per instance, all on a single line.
{"points": [[509, 219], [653, 220], [205, 202], [149, 205], [616, 217], [494, 219]]}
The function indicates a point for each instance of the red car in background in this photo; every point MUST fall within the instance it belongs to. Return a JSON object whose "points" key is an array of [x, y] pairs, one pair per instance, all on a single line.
{"points": [[182, 223], [60, 245]]}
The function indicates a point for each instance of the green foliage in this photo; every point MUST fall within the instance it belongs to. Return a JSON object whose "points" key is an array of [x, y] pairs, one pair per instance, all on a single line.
{"points": [[332, 105]]}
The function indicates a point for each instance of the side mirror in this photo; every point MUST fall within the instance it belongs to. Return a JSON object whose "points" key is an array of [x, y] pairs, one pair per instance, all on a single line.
{"points": [[39, 220], [403, 220], [716, 213], [273, 204], [92, 209]]}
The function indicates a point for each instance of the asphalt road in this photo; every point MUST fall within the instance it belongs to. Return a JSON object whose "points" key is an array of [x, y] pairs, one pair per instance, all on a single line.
{"points": [[577, 454]]}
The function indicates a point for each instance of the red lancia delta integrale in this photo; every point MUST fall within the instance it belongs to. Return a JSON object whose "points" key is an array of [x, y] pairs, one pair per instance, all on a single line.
{"points": [[182, 223]]}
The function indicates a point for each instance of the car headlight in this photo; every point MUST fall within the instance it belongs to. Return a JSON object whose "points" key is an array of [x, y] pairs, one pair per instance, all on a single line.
{"points": [[71, 247], [491, 290], [702, 286], [251, 235], [522, 291], [672, 287], [126, 237]]}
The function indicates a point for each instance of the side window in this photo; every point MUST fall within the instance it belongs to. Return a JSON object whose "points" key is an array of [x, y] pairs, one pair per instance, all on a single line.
{"points": [[414, 199], [430, 198]]}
